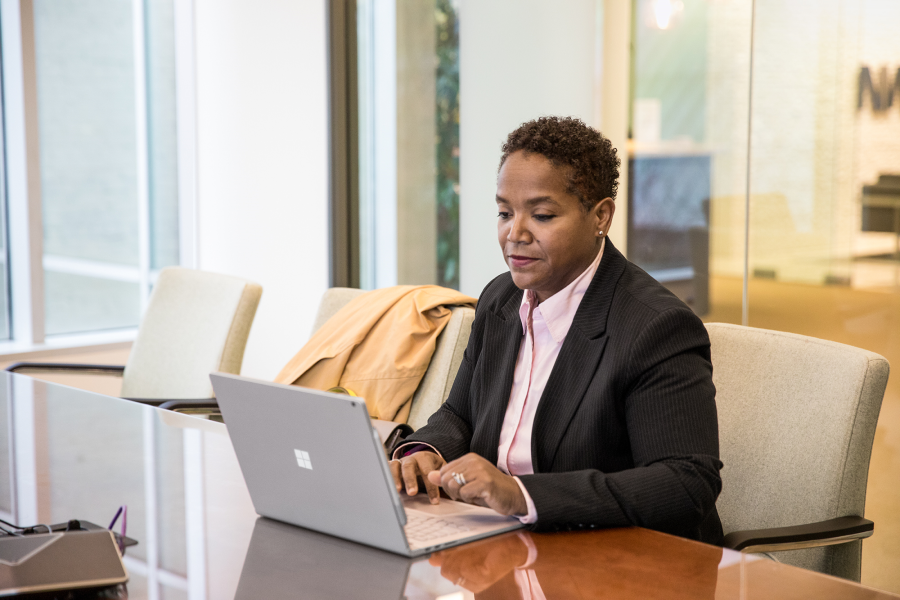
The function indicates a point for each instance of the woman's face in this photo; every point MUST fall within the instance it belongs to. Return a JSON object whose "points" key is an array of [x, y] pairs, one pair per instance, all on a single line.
{"points": [[547, 237]]}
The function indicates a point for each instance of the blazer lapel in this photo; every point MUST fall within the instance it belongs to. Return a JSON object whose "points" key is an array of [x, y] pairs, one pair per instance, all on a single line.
{"points": [[503, 335], [577, 362]]}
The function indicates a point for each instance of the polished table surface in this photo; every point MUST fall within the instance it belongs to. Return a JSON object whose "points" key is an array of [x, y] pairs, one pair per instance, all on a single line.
{"points": [[71, 454]]}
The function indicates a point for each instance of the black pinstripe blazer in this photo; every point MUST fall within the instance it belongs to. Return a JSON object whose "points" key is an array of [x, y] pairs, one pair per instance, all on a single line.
{"points": [[626, 430]]}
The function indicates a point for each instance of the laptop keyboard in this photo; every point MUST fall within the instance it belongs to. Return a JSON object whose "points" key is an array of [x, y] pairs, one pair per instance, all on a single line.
{"points": [[421, 529]]}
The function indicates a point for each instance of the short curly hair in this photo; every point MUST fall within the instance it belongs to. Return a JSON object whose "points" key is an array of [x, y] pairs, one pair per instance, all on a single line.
{"points": [[568, 141]]}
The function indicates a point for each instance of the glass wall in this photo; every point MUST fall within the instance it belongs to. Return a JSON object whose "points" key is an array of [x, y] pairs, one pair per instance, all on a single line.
{"points": [[688, 149], [815, 186], [106, 116], [825, 204]]}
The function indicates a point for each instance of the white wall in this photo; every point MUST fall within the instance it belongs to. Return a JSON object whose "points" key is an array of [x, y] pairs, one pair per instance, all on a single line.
{"points": [[262, 166], [519, 59]]}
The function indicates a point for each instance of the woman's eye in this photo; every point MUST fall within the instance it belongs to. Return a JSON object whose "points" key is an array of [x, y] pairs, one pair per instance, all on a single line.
{"points": [[503, 215], [544, 218]]}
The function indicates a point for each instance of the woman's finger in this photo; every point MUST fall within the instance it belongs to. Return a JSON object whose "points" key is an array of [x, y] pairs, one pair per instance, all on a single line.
{"points": [[481, 502], [433, 488], [450, 485], [410, 470], [476, 490], [450, 467]]}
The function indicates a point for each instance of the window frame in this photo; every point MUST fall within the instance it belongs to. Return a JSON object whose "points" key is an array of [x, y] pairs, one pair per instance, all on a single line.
{"points": [[343, 141]]}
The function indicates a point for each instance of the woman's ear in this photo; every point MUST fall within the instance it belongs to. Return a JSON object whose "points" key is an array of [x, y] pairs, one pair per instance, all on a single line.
{"points": [[604, 211]]}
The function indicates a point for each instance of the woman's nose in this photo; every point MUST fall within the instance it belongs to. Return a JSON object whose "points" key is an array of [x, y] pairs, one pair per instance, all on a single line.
{"points": [[518, 232]]}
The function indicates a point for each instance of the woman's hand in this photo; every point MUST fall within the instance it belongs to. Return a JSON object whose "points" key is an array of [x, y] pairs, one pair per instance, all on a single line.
{"points": [[407, 470], [477, 567], [485, 485]]}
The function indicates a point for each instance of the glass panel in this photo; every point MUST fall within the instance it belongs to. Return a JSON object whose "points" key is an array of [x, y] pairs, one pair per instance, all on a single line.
{"points": [[409, 142], [172, 593], [687, 156], [160, 27], [78, 303], [87, 116], [825, 205], [86, 113]]}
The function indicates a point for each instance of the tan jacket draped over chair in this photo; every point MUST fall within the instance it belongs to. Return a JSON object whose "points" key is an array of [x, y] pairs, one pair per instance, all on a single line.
{"points": [[379, 345]]}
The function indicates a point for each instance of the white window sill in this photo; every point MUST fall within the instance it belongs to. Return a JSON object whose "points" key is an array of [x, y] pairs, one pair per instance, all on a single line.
{"points": [[12, 351]]}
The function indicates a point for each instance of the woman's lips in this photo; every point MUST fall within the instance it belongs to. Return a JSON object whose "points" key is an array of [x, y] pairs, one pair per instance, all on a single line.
{"points": [[520, 261]]}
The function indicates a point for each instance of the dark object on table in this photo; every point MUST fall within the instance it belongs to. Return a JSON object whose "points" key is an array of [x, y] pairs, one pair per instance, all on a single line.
{"points": [[668, 222], [54, 563], [881, 207]]}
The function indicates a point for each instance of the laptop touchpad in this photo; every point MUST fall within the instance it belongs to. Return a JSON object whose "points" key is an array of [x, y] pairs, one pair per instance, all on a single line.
{"points": [[445, 507]]}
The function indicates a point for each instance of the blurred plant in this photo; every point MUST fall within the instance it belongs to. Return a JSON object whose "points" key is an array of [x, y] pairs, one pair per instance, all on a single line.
{"points": [[447, 140]]}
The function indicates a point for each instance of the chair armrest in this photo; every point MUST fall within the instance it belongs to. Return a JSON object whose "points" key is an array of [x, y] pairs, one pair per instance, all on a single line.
{"points": [[810, 535], [203, 405], [24, 367]]}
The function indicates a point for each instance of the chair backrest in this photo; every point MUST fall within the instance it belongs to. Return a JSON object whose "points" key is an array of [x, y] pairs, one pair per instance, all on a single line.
{"points": [[195, 323], [448, 353], [797, 420]]}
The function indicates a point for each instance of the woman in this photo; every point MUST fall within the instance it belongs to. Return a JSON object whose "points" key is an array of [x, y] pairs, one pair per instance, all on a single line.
{"points": [[585, 396]]}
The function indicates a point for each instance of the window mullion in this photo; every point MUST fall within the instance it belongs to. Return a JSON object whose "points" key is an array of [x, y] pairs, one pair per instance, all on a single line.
{"points": [[23, 173], [186, 123], [142, 149]]}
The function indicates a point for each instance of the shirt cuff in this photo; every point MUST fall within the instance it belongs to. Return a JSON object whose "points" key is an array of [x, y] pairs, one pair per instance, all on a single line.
{"points": [[531, 517], [411, 448]]}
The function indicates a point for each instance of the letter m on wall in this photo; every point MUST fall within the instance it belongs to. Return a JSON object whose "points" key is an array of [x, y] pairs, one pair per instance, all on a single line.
{"points": [[881, 92]]}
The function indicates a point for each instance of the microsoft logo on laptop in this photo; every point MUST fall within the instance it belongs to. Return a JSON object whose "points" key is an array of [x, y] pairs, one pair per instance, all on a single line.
{"points": [[303, 459]]}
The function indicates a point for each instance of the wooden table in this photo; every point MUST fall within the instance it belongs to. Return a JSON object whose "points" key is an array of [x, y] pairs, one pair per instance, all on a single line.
{"points": [[68, 454]]}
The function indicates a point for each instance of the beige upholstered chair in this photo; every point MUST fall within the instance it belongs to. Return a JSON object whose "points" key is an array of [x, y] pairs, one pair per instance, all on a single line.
{"points": [[448, 353], [797, 420], [195, 323]]}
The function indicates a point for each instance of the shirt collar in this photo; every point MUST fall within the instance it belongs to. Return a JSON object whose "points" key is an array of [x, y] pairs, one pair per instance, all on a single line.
{"points": [[558, 311]]}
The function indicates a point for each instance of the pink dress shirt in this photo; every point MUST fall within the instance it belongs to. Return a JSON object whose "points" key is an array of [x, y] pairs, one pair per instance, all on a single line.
{"points": [[544, 327]]}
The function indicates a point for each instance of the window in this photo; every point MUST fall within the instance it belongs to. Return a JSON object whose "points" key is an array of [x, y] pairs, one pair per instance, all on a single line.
{"points": [[408, 75], [90, 99], [107, 172]]}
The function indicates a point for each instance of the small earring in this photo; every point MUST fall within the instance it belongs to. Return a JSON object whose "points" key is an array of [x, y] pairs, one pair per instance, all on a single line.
{"points": [[600, 232]]}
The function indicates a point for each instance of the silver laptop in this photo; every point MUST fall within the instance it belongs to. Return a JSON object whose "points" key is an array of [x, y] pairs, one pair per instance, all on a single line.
{"points": [[312, 459]]}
